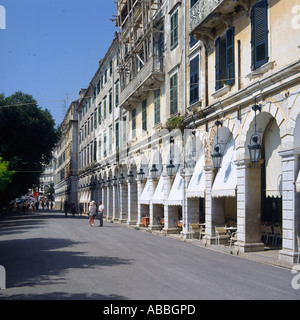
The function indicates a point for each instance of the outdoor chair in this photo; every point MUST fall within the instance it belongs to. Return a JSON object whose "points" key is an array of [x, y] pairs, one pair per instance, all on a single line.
{"points": [[202, 232], [233, 238], [194, 228], [269, 234], [277, 234], [178, 228], [159, 223], [221, 234]]}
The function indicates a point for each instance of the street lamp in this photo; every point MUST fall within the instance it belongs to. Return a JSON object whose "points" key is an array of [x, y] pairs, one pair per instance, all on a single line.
{"points": [[154, 172], [130, 177], [217, 155], [170, 169], [114, 181], [121, 178], [140, 175], [170, 166], [190, 164], [255, 140]]}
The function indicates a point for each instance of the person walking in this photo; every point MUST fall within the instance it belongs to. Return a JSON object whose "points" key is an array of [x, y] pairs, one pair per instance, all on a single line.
{"points": [[92, 213], [100, 211]]}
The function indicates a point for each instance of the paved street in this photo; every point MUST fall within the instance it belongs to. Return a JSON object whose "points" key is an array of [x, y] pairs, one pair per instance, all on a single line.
{"points": [[49, 256]]}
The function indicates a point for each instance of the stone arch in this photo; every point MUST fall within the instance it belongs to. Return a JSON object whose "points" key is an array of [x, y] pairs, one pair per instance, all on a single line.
{"points": [[229, 126]]}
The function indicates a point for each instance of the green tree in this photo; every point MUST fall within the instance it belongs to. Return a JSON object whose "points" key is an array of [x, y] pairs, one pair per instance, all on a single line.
{"points": [[5, 175], [27, 138]]}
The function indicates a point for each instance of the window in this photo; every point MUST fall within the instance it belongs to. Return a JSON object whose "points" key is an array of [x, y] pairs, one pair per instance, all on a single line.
{"points": [[110, 101], [99, 113], [144, 115], [95, 150], [224, 53], [117, 135], [174, 30], [259, 35], [173, 94], [194, 80], [104, 107], [117, 93], [110, 139], [104, 145], [133, 123], [110, 67], [95, 119], [157, 106]]}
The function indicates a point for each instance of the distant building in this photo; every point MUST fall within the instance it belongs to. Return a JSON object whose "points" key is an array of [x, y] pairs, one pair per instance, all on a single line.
{"points": [[66, 160]]}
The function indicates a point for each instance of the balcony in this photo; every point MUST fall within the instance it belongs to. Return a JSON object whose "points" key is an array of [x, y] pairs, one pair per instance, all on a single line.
{"points": [[209, 14], [148, 78]]}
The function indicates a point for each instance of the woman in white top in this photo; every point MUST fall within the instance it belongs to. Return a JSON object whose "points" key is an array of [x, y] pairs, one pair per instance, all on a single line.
{"points": [[92, 213]]}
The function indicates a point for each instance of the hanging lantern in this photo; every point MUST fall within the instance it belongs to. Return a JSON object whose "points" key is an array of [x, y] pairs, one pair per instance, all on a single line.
{"points": [[130, 177], [255, 148], [170, 169], [190, 164], [154, 172], [121, 178], [255, 141], [140, 175], [217, 156]]}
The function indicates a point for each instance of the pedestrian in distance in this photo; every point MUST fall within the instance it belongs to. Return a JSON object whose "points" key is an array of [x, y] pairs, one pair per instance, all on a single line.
{"points": [[100, 211], [92, 213]]}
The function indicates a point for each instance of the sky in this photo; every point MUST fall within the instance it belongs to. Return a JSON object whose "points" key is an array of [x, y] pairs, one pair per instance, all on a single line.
{"points": [[51, 48]]}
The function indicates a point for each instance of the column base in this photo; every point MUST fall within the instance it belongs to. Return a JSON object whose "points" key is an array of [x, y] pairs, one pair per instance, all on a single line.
{"points": [[250, 247]]}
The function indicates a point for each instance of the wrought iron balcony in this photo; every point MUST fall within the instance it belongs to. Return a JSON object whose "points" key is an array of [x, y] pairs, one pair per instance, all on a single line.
{"points": [[149, 77], [207, 14]]}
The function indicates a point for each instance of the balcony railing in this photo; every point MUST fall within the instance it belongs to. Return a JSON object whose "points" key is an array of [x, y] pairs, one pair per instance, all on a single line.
{"points": [[201, 10], [152, 69]]}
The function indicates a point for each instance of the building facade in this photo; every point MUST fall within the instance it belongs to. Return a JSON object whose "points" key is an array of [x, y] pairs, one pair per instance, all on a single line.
{"points": [[66, 160], [250, 60], [193, 116]]}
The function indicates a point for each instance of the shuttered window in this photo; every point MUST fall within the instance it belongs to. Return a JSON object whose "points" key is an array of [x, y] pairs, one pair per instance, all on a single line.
{"points": [[230, 56], [259, 34], [194, 80]]}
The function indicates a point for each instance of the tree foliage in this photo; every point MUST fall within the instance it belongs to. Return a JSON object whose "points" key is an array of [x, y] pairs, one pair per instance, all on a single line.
{"points": [[27, 138], [5, 175]]}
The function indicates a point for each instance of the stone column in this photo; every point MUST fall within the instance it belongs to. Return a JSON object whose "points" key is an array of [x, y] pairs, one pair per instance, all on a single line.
{"points": [[189, 209], [139, 193], [115, 202], [123, 203], [132, 203], [290, 205], [249, 207]]}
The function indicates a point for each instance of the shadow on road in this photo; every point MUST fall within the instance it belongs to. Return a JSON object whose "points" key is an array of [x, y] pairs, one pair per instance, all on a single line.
{"points": [[42, 261]]}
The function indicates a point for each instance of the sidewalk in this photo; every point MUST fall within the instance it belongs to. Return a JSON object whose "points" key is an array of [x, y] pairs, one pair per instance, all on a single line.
{"points": [[268, 256]]}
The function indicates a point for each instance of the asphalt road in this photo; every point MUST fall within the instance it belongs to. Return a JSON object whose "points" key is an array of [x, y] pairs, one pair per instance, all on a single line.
{"points": [[49, 256]]}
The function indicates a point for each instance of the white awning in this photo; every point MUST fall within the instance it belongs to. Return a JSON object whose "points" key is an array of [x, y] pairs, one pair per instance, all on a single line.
{"points": [[175, 196], [196, 186], [273, 162], [298, 183], [146, 194], [158, 197], [226, 180]]}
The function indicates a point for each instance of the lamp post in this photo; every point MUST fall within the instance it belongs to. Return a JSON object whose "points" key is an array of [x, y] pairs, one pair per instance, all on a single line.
{"points": [[170, 169], [121, 178], [140, 175], [170, 166], [130, 177], [255, 140], [217, 155], [154, 172]]}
